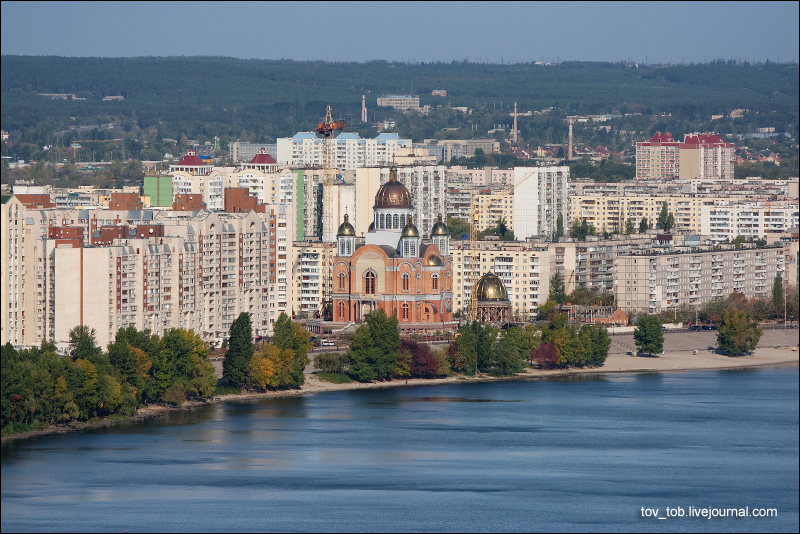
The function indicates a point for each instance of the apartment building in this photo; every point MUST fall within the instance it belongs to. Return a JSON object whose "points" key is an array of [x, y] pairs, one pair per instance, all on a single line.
{"points": [[699, 156], [401, 102], [447, 149], [241, 151], [609, 213], [724, 221], [348, 150], [653, 282], [524, 268], [541, 194], [195, 270], [311, 266]]}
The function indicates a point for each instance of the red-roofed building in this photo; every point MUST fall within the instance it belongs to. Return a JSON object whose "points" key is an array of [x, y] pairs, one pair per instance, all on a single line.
{"points": [[699, 156], [193, 164], [262, 162], [36, 201]]}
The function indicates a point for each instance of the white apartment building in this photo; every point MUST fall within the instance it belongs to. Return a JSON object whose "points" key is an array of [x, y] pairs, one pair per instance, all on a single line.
{"points": [[401, 102], [311, 262], [725, 221], [654, 282], [540, 195], [348, 150]]}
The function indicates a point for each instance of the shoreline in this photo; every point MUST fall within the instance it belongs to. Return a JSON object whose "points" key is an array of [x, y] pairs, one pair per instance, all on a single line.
{"points": [[614, 364]]}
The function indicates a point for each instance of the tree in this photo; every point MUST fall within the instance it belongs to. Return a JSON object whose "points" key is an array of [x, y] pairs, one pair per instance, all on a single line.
{"points": [[737, 334], [557, 291], [374, 348], [669, 222], [580, 229], [559, 227], [240, 351], [648, 336], [545, 356], [644, 225], [661, 222], [777, 296], [292, 336], [629, 228]]}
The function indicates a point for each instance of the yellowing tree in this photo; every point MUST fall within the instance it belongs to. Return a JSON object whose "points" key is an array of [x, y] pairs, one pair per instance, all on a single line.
{"points": [[271, 367]]}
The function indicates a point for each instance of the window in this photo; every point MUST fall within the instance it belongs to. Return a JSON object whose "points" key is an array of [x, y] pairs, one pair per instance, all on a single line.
{"points": [[406, 279], [405, 311], [434, 281], [369, 283], [341, 310], [342, 278]]}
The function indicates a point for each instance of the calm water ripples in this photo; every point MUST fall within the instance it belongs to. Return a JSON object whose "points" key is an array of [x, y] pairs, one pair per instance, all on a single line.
{"points": [[582, 454]]}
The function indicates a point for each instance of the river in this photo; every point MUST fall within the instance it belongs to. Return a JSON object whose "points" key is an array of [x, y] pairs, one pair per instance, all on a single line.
{"points": [[584, 453]]}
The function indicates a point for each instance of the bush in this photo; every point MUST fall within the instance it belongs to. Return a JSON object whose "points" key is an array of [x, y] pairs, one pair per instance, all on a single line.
{"points": [[175, 394]]}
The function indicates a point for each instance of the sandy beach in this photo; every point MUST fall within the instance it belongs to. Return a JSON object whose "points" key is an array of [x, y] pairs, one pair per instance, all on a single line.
{"points": [[682, 360]]}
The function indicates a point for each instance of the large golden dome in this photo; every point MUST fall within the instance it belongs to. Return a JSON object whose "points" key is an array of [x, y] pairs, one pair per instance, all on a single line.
{"points": [[392, 194], [439, 228], [346, 229], [490, 287]]}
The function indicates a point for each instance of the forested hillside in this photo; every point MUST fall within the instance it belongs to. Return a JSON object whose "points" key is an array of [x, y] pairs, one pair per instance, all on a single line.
{"points": [[260, 100]]}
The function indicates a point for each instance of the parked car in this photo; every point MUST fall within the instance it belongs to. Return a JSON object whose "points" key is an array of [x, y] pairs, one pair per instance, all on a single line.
{"points": [[328, 343]]}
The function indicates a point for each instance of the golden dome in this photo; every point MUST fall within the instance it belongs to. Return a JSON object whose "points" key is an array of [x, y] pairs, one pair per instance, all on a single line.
{"points": [[490, 287], [392, 194], [440, 228], [346, 229], [433, 261], [409, 230]]}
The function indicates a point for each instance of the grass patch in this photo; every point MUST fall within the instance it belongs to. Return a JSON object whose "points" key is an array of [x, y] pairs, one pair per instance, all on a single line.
{"points": [[335, 378]]}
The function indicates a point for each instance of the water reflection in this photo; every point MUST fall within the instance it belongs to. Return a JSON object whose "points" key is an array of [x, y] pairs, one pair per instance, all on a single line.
{"points": [[502, 456]]}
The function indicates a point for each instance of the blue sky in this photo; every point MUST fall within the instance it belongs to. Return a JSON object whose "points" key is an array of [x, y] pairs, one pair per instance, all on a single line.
{"points": [[488, 32]]}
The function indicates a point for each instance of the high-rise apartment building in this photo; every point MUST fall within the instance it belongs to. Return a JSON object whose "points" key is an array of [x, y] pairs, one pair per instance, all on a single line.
{"points": [[114, 269], [699, 156]]}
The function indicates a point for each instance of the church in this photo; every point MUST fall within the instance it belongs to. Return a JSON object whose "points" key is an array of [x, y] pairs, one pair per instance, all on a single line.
{"points": [[394, 270]]}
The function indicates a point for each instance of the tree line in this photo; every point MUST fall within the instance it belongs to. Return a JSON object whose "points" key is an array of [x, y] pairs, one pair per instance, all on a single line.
{"points": [[41, 387], [378, 353]]}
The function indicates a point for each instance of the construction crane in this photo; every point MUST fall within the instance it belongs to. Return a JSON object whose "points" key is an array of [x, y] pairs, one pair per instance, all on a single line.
{"points": [[325, 131], [474, 257]]}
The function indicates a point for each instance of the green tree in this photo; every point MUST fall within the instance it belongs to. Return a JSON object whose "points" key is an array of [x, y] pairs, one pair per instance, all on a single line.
{"points": [[629, 227], [648, 335], [240, 351], [292, 336], [737, 334], [385, 336], [580, 229], [662, 218], [777, 296], [559, 227], [374, 348], [643, 225], [557, 291], [669, 222]]}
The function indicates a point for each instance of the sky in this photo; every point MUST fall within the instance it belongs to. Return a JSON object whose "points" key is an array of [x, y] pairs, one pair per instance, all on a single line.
{"points": [[479, 32]]}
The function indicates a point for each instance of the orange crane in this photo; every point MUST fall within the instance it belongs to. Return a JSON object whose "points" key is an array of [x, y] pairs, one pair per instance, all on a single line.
{"points": [[325, 130]]}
